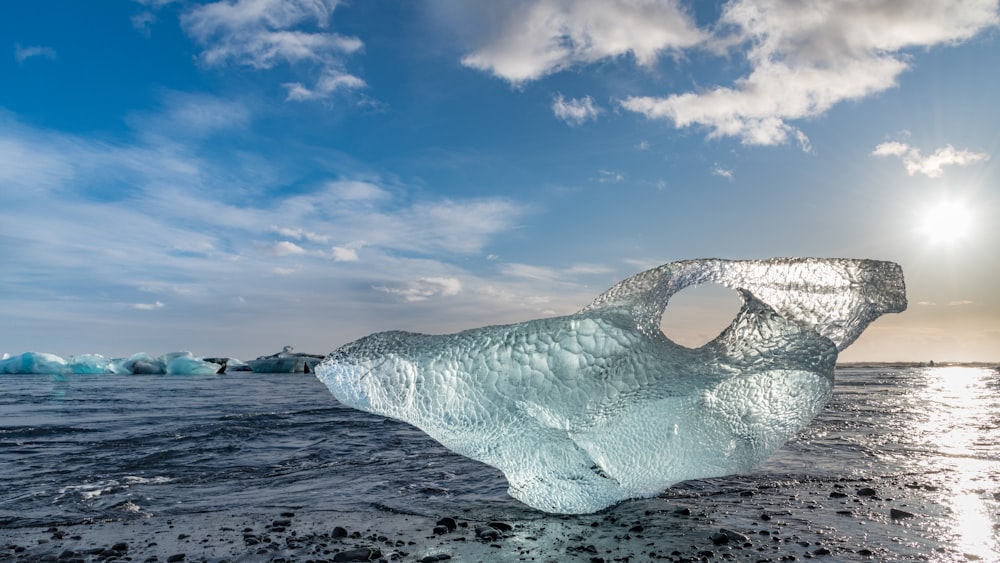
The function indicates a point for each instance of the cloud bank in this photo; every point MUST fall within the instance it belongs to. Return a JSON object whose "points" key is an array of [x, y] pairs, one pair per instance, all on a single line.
{"points": [[802, 58]]}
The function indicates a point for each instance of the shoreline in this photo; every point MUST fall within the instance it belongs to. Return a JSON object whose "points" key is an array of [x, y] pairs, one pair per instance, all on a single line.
{"points": [[740, 519]]}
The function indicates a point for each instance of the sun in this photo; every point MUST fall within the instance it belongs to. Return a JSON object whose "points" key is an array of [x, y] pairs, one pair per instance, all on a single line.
{"points": [[946, 222]]}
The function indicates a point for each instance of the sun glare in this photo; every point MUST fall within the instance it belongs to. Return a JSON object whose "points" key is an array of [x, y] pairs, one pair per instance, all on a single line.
{"points": [[946, 222]]}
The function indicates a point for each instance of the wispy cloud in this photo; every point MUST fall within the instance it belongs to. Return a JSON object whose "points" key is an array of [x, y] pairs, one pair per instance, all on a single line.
{"points": [[148, 306], [575, 111], [264, 33], [932, 165], [722, 171], [424, 288], [22, 54], [534, 39]]}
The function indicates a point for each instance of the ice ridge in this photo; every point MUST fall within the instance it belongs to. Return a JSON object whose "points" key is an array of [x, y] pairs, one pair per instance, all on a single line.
{"points": [[584, 411]]}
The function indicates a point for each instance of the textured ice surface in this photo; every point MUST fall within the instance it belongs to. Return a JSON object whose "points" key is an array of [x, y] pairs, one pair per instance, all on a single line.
{"points": [[584, 411]]}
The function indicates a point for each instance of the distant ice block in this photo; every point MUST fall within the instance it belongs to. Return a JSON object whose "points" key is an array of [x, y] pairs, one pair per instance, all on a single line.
{"points": [[583, 411], [174, 363], [32, 362]]}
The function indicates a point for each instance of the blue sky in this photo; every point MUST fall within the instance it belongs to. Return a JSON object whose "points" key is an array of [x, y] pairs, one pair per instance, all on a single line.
{"points": [[230, 177]]}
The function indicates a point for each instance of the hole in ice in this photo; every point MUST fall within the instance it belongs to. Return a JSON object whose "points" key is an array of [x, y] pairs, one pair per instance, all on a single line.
{"points": [[697, 314]]}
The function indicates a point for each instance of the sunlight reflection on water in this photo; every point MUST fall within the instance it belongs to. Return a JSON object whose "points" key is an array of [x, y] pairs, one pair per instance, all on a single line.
{"points": [[958, 421]]}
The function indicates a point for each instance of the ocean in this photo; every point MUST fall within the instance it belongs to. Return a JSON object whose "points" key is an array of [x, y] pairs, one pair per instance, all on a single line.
{"points": [[902, 465]]}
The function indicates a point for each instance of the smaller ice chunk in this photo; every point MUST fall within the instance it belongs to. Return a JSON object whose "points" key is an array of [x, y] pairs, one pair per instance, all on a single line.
{"points": [[33, 363], [184, 363]]}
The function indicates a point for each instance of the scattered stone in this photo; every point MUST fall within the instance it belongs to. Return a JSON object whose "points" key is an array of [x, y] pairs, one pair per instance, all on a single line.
{"points": [[821, 551], [502, 526], [897, 514], [362, 554], [176, 557], [636, 529], [440, 530], [867, 492], [837, 494], [487, 533], [448, 522], [339, 532]]}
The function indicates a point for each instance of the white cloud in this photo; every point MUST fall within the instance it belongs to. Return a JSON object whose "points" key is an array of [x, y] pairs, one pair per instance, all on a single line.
{"points": [[933, 165], [299, 234], [285, 248], [719, 170], [22, 54], [805, 57], [344, 254], [575, 111], [425, 288], [328, 83], [264, 33], [148, 306], [539, 37]]}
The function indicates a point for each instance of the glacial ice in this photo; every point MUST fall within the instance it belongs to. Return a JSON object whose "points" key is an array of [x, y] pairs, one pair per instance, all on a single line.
{"points": [[584, 411], [174, 363]]}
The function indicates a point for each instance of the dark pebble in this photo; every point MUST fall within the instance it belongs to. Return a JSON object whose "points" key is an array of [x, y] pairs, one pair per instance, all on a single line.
{"points": [[734, 536], [867, 492], [683, 511], [435, 558], [120, 547], [897, 514], [447, 522], [176, 557], [837, 494], [487, 533], [339, 532], [636, 529], [68, 554], [821, 551], [718, 538], [439, 530], [287, 514], [502, 526], [363, 554], [282, 523]]}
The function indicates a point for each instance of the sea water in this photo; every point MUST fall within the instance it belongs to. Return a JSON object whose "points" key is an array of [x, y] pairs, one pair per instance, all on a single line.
{"points": [[905, 461]]}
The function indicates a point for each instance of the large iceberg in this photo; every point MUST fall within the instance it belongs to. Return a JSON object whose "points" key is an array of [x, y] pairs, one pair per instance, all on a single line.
{"points": [[583, 411]]}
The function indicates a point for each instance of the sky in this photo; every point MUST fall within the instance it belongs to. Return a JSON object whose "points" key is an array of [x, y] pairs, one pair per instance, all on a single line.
{"points": [[229, 177]]}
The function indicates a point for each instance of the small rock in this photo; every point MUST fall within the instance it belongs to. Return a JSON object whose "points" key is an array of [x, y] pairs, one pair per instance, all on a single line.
{"points": [[120, 547], [447, 522], [683, 511], [867, 492], [176, 557], [502, 526], [734, 536], [636, 529], [821, 551], [282, 523], [440, 530], [837, 494], [897, 514], [339, 532], [487, 533]]}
